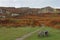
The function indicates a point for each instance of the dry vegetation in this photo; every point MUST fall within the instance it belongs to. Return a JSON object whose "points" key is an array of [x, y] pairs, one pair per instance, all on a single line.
{"points": [[52, 20]]}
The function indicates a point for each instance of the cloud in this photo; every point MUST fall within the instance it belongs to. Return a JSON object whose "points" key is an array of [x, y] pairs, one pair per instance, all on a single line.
{"points": [[6, 3], [30, 3]]}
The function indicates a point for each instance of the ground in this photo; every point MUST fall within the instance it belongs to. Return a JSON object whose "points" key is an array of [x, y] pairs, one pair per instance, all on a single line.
{"points": [[14, 33], [54, 34]]}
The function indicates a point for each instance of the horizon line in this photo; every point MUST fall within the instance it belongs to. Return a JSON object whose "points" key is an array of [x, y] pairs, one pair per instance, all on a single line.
{"points": [[28, 7]]}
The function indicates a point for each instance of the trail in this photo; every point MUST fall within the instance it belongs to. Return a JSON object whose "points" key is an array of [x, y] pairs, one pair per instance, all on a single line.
{"points": [[27, 35]]}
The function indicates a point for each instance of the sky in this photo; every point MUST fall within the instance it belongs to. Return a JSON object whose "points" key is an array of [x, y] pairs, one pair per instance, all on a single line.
{"points": [[30, 3]]}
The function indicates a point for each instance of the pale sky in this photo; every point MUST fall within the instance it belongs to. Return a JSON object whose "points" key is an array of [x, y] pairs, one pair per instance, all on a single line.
{"points": [[30, 3]]}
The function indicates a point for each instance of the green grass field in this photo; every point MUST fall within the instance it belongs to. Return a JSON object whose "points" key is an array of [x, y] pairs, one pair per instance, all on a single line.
{"points": [[54, 34], [13, 33]]}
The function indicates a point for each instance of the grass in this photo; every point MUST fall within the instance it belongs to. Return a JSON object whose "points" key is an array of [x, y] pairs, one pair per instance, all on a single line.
{"points": [[54, 34], [13, 33]]}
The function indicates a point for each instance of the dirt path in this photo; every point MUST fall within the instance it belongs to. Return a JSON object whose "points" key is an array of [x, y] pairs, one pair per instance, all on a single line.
{"points": [[27, 35]]}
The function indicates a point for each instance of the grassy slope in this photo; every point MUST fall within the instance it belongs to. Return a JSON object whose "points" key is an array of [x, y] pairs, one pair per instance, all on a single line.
{"points": [[54, 34], [13, 33]]}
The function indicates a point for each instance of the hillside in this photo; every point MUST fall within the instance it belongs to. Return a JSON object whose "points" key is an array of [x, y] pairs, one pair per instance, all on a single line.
{"points": [[11, 16]]}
